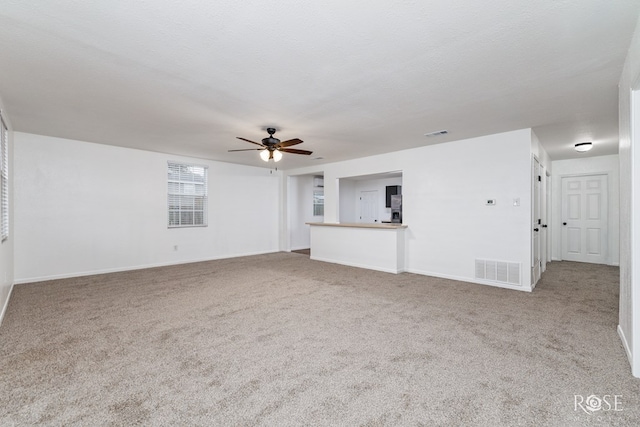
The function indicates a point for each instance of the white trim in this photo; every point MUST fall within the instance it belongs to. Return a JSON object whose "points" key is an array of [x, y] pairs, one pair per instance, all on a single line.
{"points": [[627, 349], [634, 217], [613, 264], [526, 288], [137, 267], [355, 264], [6, 304], [534, 179]]}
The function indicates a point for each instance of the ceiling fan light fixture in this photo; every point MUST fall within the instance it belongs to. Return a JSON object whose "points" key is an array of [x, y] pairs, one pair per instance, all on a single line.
{"points": [[581, 147], [267, 155]]}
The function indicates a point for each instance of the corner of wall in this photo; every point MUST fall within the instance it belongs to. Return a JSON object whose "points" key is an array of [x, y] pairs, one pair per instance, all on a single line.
{"points": [[7, 247], [629, 159], [5, 305]]}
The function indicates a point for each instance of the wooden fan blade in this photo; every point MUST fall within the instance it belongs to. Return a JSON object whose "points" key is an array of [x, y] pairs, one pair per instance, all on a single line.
{"points": [[295, 151], [248, 140], [248, 149], [289, 142]]}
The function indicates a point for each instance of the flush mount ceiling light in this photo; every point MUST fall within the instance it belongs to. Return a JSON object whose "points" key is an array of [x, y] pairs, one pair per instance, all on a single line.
{"points": [[581, 147]]}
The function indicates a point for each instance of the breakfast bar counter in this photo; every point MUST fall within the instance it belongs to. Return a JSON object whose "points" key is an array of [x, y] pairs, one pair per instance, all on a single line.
{"points": [[373, 246]]}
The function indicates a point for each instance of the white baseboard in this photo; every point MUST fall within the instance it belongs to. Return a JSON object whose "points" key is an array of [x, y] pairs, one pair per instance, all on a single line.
{"points": [[6, 304], [625, 344], [470, 280], [614, 264], [131, 268], [354, 264]]}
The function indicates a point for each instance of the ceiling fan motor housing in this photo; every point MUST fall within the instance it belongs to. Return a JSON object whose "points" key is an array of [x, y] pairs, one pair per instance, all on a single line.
{"points": [[270, 141]]}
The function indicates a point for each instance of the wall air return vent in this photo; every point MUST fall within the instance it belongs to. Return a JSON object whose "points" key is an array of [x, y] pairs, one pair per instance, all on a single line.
{"points": [[498, 271]]}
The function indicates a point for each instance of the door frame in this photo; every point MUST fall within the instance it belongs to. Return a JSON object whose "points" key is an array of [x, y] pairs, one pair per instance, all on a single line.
{"points": [[536, 201], [547, 220]]}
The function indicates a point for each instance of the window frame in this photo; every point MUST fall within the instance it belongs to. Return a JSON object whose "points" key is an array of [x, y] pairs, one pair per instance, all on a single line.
{"points": [[318, 201], [186, 198]]}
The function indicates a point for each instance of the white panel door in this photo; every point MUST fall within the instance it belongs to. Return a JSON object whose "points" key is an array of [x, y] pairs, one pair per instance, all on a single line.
{"points": [[369, 206], [584, 219], [536, 264]]}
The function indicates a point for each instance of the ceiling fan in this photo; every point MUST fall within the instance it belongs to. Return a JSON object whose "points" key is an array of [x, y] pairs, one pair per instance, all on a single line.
{"points": [[272, 148]]}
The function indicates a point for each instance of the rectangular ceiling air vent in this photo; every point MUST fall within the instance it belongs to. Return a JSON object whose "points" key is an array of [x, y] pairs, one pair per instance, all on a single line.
{"points": [[437, 133]]}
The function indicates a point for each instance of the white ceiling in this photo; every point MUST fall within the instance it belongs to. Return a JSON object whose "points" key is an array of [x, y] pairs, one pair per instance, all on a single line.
{"points": [[350, 78]]}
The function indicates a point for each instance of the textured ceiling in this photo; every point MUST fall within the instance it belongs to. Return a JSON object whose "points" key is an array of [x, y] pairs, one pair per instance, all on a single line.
{"points": [[350, 78]]}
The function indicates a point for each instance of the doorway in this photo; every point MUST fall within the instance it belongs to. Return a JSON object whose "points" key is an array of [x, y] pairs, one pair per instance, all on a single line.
{"points": [[585, 218], [305, 195]]}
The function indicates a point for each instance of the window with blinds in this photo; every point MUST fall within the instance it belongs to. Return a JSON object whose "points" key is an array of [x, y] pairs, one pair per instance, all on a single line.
{"points": [[187, 196], [318, 196], [318, 202], [4, 180]]}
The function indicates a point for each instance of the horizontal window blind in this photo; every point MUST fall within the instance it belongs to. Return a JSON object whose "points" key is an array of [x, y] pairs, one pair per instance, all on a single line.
{"points": [[187, 195]]}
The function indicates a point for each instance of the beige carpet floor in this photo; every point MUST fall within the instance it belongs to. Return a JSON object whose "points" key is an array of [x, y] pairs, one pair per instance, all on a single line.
{"points": [[282, 340]]}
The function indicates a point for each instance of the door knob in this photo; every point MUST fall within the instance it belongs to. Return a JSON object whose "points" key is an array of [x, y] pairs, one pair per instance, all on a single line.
{"points": [[564, 223], [544, 225], [536, 229]]}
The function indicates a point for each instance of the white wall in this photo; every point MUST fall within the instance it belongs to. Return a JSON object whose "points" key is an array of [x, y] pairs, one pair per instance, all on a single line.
{"points": [[347, 201], [609, 165], [628, 112], [445, 187], [7, 247], [539, 152], [83, 208], [301, 211]]}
